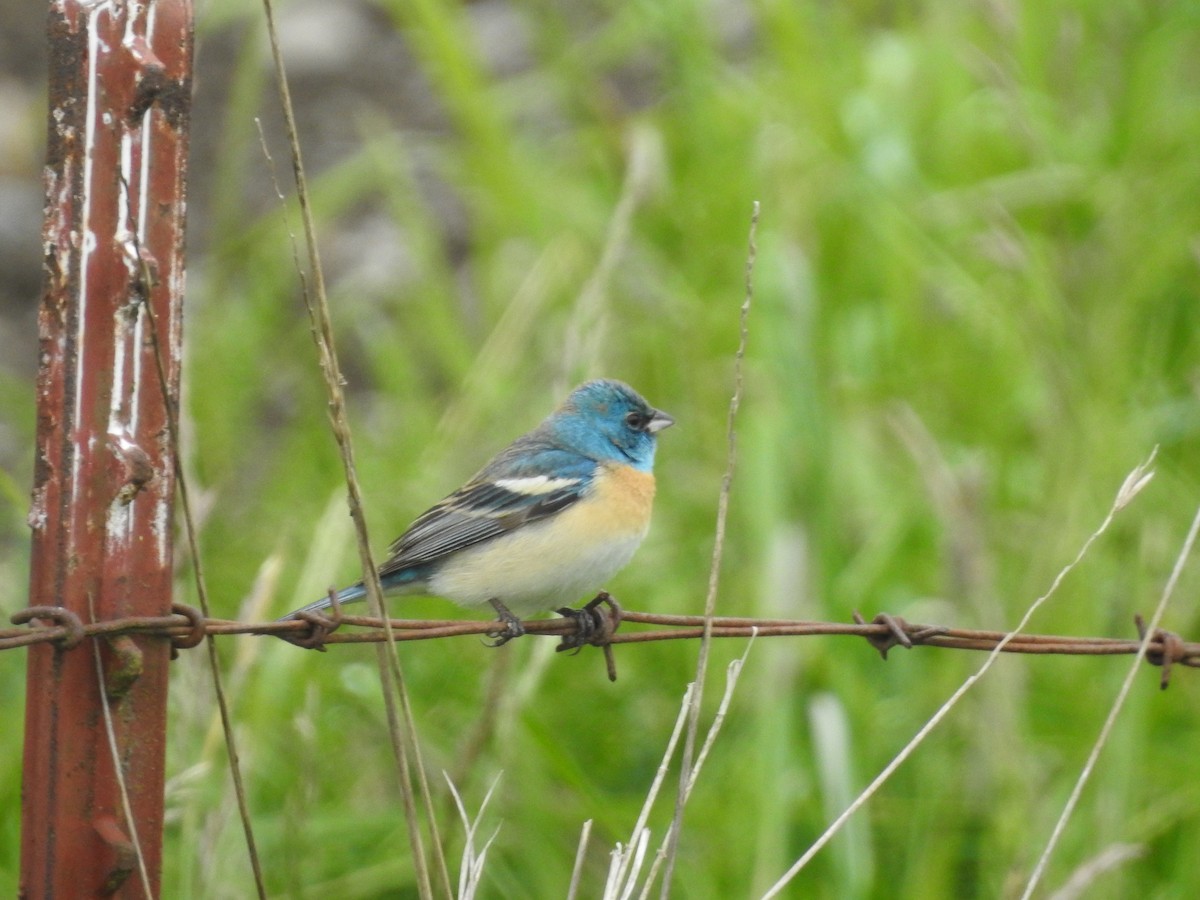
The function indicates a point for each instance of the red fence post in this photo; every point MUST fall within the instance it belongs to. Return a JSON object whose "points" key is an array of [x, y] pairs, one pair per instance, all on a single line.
{"points": [[120, 93]]}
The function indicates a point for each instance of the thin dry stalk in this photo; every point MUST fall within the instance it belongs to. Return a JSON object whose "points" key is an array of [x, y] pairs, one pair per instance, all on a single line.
{"points": [[118, 769], [471, 872], [192, 533], [733, 672], [580, 855], [586, 330], [1134, 482], [391, 677], [1118, 704], [1105, 861], [620, 872], [714, 573]]}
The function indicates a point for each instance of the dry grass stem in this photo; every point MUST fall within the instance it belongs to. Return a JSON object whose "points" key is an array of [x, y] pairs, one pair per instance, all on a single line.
{"points": [[390, 674], [714, 573], [1122, 694], [1136, 480], [621, 873], [580, 856], [1105, 861], [191, 532], [118, 769], [732, 672], [471, 873], [586, 330]]}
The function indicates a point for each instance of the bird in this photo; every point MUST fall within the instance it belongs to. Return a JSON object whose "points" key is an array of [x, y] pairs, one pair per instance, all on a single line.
{"points": [[548, 520]]}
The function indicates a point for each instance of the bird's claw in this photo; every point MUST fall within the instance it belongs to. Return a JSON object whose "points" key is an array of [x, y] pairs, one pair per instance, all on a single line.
{"points": [[593, 626], [512, 626]]}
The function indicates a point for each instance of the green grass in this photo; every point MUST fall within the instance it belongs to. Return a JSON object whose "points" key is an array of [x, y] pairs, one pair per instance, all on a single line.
{"points": [[976, 311]]}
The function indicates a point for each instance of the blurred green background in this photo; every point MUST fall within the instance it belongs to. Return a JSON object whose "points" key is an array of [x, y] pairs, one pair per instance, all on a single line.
{"points": [[975, 312]]}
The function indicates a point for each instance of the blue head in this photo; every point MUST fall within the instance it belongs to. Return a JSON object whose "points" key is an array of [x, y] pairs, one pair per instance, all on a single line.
{"points": [[609, 420]]}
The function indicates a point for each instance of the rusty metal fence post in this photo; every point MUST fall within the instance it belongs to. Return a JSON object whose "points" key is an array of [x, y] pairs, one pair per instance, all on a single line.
{"points": [[119, 100]]}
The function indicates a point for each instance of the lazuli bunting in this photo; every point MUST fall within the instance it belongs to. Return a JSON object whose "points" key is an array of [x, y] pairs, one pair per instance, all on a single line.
{"points": [[550, 518]]}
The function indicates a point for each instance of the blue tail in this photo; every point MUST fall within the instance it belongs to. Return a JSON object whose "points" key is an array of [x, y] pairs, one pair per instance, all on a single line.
{"points": [[346, 595], [393, 582]]}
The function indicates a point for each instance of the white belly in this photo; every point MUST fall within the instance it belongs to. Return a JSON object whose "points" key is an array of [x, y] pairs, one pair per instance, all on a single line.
{"points": [[533, 570]]}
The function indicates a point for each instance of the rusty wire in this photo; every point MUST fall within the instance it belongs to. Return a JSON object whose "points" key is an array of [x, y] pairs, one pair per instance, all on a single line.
{"points": [[186, 628]]}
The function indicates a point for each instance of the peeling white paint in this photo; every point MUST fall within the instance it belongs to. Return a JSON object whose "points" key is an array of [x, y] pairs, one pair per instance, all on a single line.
{"points": [[162, 531], [118, 526], [121, 519], [89, 236], [118, 377], [37, 510], [78, 246]]}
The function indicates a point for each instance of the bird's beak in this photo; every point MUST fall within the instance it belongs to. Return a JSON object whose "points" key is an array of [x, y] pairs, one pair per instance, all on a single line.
{"points": [[658, 421]]}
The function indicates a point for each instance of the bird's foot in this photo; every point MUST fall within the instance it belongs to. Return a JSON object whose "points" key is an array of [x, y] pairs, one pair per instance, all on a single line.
{"points": [[593, 626], [512, 625]]}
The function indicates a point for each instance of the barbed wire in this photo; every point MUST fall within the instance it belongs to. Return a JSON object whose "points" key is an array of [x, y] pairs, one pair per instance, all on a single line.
{"points": [[593, 625]]}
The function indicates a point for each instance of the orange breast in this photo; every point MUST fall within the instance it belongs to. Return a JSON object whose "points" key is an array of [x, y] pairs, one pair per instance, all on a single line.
{"points": [[622, 499]]}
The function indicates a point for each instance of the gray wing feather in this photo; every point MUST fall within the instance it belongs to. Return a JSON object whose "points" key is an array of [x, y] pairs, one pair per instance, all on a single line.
{"points": [[477, 512]]}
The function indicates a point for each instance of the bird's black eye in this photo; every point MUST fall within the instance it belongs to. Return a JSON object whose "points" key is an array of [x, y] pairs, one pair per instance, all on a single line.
{"points": [[635, 420]]}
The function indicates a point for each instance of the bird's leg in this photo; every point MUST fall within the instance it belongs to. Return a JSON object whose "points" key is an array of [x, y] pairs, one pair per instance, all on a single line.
{"points": [[512, 625]]}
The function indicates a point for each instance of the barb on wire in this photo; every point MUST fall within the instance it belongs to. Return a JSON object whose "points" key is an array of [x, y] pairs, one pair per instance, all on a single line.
{"points": [[186, 627]]}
